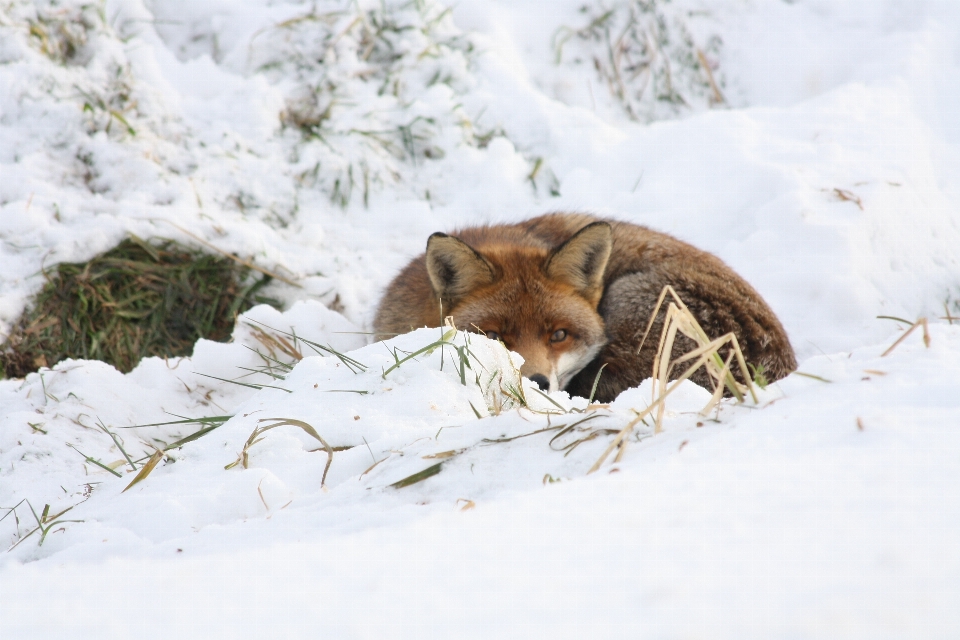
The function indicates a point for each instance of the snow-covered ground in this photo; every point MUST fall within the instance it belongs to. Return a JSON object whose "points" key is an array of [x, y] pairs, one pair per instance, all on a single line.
{"points": [[325, 141]]}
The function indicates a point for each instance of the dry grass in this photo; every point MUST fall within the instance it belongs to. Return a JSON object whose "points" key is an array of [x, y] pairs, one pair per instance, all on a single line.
{"points": [[146, 469], [258, 434], [61, 33], [922, 322], [706, 354]]}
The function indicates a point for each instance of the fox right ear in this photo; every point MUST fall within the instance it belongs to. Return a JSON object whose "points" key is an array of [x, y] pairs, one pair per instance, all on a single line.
{"points": [[581, 261], [455, 268]]}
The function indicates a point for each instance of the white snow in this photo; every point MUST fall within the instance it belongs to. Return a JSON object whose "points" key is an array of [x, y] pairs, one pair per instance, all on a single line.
{"points": [[306, 138]]}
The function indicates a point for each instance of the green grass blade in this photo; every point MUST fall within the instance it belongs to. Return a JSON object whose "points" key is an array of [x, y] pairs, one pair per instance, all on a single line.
{"points": [[244, 384], [596, 383], [193, 436], [204, 420], [418, 477], [96, 462]]}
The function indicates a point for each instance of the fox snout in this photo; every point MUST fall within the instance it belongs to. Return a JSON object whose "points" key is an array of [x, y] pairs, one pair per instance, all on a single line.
{"points": [[541, 381], [539, 370], [553, 371]]}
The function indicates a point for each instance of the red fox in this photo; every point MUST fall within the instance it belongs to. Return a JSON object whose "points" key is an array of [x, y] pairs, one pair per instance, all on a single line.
{"points": [[572, 292]]}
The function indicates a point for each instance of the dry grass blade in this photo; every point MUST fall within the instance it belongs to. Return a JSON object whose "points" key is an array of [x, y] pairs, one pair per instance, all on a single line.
{"points": [[257, 434], [949, 318], [146, 469], [848, 196], [522, 435], [272, 367], [706, 354], [323, 350], [704, 357], [679, 318], [705, 64], [811, 376], [445, 340], [443, 454], [620, 436], [569, 447], [13, 510], [895, 318], [565, 429], [276, 343], [718, 392], [922, 322]]}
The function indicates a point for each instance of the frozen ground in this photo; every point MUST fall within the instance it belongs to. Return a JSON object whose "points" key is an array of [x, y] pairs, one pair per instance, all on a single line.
{"points": [[829, 178]]}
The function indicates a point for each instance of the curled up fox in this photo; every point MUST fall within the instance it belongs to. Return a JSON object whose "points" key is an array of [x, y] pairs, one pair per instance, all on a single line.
{"points": [[573, 292]]}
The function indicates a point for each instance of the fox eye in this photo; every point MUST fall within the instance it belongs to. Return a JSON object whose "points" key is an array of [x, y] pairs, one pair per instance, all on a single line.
{"points": [[559, 335], [493, 335]]}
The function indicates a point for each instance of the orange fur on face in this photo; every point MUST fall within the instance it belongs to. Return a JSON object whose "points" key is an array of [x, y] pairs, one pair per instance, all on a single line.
{"points": [[526, 309]]}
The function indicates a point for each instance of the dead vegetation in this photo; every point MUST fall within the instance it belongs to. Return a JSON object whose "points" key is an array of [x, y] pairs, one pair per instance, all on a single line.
{"points": [[706, 355], [61, 32]]}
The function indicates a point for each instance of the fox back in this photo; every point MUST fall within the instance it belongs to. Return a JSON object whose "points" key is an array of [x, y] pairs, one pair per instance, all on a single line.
{"points": [[572, 293]]}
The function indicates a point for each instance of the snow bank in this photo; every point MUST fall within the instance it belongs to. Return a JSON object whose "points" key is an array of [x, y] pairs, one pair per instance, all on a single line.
{"points": [[832, 504]]}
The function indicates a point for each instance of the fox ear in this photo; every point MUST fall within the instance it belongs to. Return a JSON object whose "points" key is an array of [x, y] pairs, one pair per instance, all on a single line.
{"points": [[455, 268], [582, 260]]}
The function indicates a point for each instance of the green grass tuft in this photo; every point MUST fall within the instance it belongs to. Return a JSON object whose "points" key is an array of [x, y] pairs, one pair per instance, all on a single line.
{"points": [[138, 299]]}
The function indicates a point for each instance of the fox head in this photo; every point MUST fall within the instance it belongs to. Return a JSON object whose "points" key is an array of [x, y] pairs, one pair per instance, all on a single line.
{"points": [[540, 303]]}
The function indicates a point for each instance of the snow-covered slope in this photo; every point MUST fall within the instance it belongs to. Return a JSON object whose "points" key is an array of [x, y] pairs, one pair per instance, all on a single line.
{"points": [[325, 141]]}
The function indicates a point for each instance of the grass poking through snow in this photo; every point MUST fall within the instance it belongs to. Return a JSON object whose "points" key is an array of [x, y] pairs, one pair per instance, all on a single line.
{"points": [[138, 299]]}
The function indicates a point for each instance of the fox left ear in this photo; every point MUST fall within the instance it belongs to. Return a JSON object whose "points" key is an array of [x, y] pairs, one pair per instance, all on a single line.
{"points": [[582, 260], [455, 268]]}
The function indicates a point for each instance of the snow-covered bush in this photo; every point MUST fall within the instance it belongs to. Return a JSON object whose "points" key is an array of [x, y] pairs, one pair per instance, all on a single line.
{"points": [[646, 54], [369, 87]]}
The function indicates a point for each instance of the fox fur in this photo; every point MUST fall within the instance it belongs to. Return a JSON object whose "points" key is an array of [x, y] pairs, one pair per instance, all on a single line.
{"points": [[573, 292]]}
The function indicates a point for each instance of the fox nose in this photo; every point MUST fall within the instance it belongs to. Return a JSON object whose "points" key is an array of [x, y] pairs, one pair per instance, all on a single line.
{"points": [[541, 381]]}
